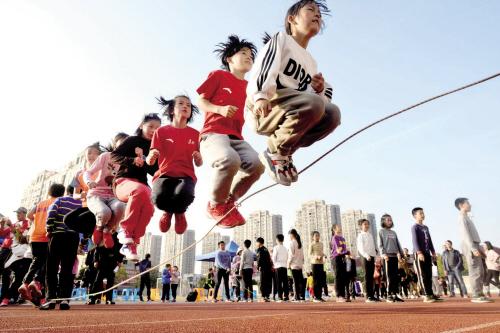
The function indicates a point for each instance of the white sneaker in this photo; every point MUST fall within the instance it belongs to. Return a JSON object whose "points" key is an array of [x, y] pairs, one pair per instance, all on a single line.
{"points": [[277, 167], [130, 252], [481, 299]]}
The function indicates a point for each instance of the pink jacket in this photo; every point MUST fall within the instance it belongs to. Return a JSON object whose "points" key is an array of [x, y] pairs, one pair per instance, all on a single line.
{"points": [[101, 172]]}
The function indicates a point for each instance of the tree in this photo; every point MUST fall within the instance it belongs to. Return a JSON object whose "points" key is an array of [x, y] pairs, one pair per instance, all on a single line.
{"points": [[121, 275]]}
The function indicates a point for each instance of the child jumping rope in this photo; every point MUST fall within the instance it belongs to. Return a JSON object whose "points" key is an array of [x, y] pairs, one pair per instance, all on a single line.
{"points": [[235, 163], [288, 99], [175, 146]]}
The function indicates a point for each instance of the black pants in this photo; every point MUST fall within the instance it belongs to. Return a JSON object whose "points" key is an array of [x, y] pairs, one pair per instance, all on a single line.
{"points": [[317, 272], [37, 268], [174, 290], [282, 281], [369, 268], [5, 273], [105, 271], [298, 282], [274, 285], [165, 293], [338, 264], [266, 280], [325, 284], [424, 272], [222, 274], [19, 267], [247, 283], [391, 268], [62, 253], [173, 195], [145, 283]]}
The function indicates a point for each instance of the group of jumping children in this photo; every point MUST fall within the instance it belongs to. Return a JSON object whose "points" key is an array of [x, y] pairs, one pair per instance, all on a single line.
{"points": [[286, 99]]}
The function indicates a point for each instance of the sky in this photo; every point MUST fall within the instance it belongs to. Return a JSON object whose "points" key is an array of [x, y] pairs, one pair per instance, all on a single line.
{"points": [[74, 72]]}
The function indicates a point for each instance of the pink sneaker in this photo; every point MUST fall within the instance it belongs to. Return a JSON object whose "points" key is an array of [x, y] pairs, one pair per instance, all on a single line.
{"points": [[165, 221], [35, 287], [24, 291], [180, 223], [5, 302]]}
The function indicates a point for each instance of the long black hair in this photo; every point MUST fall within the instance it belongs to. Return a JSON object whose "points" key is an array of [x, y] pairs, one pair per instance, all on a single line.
{"points": [[146, 118], [168, 106], [296, 236], [232, 46], [296, 7]]}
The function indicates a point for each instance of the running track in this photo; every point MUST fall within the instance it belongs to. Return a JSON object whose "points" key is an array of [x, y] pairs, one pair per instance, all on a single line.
{"points": [[451, 316]]}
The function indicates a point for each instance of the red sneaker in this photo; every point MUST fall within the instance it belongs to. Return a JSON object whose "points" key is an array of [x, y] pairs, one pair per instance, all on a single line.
{"points": [[235, 214], [97, 236], [108, 239], [166, 221], [24, 291], [218, 213], [180, 223], [5, 302]]}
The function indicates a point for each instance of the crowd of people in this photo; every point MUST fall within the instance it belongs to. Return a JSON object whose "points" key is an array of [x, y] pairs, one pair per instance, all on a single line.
{"points": [[390, 272], [111, 201]]}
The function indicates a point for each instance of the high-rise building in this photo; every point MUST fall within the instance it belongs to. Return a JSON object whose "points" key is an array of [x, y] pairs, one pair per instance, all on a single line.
{"points": [[350, 228], [172, 246], [316, 215], [150, 244], [37, 190], [260, 224], [208, 245]]}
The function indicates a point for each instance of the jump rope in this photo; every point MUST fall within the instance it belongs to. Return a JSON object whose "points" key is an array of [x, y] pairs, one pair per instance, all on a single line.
{"points": [[238, 204]]}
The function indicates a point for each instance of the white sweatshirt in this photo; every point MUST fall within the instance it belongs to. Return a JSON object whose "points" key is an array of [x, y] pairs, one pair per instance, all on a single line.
{"points": [[280, 256], [366, 245], [283, 63], [295, 255]]}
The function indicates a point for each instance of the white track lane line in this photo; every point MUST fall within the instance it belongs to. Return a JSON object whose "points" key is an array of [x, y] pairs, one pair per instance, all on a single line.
{"points": [[473, 328], [46, 328]]}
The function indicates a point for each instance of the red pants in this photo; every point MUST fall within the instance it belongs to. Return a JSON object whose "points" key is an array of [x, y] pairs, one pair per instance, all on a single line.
{"points": [[139, 210]]}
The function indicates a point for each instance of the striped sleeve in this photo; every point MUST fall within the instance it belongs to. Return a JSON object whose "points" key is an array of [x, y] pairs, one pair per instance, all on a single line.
{"points": [[52, 216], [327, 92], [262, 84]]}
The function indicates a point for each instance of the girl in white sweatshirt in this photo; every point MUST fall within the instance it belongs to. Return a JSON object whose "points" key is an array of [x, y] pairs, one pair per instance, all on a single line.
{"points": [[288, 100]]}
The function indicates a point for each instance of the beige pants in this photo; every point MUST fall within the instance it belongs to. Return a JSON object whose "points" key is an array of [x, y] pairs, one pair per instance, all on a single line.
{"points": [[297, 119], [235, 164]]}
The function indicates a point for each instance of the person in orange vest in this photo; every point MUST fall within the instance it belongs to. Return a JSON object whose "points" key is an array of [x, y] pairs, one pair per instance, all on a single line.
{"points": [[32, 288]]}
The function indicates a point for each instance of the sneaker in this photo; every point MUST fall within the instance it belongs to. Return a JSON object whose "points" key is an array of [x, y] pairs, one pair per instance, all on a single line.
{"points": [[91, 301], [219, 212], [24, 291], [277, 167], [341, 300], [370, 300], [235, 214], [429, 299], [97, 236], [437, 298], [35, 288], [48, 306], [5, 302], [180, 223], [294, 174], [110, 303], [130, 252], [107, 237], [390, 299], [399, 299], [165, 222], [64, 305], [124, 238], [481, 299]]}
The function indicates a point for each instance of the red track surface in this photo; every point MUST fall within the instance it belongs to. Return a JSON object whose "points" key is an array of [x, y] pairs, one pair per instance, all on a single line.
{"points": [[411, 316]]}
